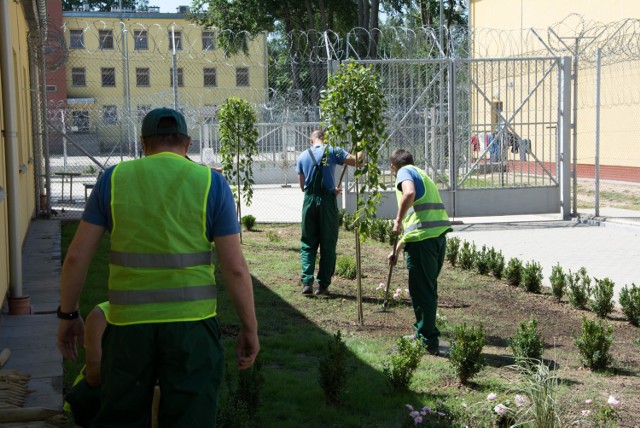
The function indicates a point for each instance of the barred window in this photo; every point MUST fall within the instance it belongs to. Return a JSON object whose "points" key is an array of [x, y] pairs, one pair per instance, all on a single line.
{"points": [[242, 76], [141, 41], [52, 88], [210, 77], [78, 76], [108, 76], [143, 77], [179, 77], [208, 41], [80, 120], [110, 115], [178, 37], [106, 39], [76, 39]]}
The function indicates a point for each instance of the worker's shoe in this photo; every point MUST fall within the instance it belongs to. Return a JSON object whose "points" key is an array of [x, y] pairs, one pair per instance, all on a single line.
{"points": [[435, 351], [321, 290], [307, 289]]}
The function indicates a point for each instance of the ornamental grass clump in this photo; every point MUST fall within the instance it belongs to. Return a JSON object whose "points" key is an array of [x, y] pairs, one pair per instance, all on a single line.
{"points": [[532, 277], [593, 343], [482, 261], [496, 263], [466, 351], [513, 272], [558, 281], [467, 255], [527, 345], [404, 362], [630, 302], [601, 302], [334, 370], [346, 267], [453, 248]]}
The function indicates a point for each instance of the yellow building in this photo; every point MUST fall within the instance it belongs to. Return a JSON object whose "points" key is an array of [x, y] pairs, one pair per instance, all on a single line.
{"points": [[576, 28], [18, 19], [123, 63]]}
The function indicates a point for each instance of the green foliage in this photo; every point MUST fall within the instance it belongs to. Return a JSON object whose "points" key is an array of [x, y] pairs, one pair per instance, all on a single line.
{"points": [[453, 248], [602, 297], [352, 109], [349, 221], [579, 288], [629, 300], [346, 267], [334, 371], [466, 351], [380, 229], [341, 214], [526, 345], [272, 236], [542, 408], [558, 281], [513, 271], [248, 221], [593, 343], [467, 255], [482, 261], [404, 362], [532, 277], [238, 140], [240, 407], [496, 263]]}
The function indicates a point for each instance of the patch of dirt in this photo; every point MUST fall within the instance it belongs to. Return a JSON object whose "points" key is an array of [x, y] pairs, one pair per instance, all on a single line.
{"points": [[464, 297], [611, 194]]}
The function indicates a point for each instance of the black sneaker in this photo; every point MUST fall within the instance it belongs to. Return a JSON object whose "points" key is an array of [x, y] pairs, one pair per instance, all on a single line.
{"points": [[321, 291], [307, 289]]}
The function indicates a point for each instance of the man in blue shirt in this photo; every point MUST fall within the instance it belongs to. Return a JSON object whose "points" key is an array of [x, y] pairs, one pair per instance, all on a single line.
{"points": [[316, 168]]}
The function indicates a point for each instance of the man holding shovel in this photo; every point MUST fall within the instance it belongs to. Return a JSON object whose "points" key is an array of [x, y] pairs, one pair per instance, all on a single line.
{"points": [[424, 220]]}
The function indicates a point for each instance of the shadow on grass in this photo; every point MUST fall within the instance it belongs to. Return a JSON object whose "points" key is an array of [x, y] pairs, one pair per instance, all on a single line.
{"points": [[292, 347]]}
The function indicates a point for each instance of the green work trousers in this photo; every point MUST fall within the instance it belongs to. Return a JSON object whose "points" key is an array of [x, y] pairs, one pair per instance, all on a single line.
{"points": [[319, 228], [424, 262], [185, 358]]}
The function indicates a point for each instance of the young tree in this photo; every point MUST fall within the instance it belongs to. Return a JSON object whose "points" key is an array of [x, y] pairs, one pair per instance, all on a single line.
{"points": [[352, 109], [238, 140]]}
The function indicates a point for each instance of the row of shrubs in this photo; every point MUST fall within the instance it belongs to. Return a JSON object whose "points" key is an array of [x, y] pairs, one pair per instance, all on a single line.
{"points": [[581, 292]]}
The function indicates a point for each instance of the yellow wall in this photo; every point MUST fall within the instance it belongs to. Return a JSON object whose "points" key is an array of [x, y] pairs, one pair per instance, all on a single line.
{"points": [[22, 106]]}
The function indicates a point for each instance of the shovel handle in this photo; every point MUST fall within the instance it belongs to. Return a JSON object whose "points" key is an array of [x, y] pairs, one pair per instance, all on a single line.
{"points": [[386, 293]]}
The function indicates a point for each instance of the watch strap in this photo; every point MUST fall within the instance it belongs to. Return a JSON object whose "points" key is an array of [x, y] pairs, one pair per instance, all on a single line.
{"points": [[67, 315]]}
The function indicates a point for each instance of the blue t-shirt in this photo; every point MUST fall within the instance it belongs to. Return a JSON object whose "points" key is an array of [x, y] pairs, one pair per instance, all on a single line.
{"points": [[305, 165], [410, 174], [221, 214]]}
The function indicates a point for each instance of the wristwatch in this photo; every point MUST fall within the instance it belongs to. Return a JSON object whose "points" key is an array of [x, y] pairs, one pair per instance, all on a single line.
{"points": [[67, 315]]}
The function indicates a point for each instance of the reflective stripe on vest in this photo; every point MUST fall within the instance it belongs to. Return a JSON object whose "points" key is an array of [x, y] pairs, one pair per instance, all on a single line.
{"points": [[168, 261], [165, 295]]}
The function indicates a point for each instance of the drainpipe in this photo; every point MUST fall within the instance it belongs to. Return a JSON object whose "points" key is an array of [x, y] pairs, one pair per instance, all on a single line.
{"points": [[10, 134]]}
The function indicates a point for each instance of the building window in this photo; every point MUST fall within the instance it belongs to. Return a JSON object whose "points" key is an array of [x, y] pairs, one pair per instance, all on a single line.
{"points": [[141, 41], [51, 88], [76, 39], [142, 77], [106, 39], [179, 77], [110, 115], [108, 76], [78, 76], [178, 37], [242, 76], [208, 41], [142, 111], [210, 77], [80, 120]]}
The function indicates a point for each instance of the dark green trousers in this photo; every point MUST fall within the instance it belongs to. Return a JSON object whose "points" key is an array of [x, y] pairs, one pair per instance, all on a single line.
{"points": [[424, 262], [187, 360], [319, 228]]}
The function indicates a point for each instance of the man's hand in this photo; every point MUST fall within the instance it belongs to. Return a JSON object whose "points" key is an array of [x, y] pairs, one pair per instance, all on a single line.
{"points": [[392, 259], [337, 191], [70, 335], [247, 349]]}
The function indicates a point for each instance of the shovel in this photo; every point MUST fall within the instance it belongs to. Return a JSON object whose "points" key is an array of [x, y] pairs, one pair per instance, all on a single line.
{"points": [[385, 304]]}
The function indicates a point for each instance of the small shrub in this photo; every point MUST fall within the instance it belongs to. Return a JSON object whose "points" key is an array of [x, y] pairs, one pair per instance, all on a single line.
{"points": [[577, 293], [558, 281], [349, 219], [240, 408], [334, 371], [467, 255], [404, 362], [346, 267], [496, 263], [341, 214], [453, 248], [513, 271], [482, 261], [593, 343], [526, 345], [466, 352], [248, 221], [602, 297], [273, 236], [630, 302], [532, 277]]}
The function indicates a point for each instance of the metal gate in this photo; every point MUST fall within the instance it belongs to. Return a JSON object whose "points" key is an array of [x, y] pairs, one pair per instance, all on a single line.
{"points": [[493, 134]]}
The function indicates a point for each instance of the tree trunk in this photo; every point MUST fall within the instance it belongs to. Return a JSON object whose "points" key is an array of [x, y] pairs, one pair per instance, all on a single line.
{"points": [[373, 29]]}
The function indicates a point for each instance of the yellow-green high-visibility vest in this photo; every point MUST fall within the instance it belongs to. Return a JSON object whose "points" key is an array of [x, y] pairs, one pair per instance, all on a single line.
{"points": [[427, 217], [160, 266]]}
